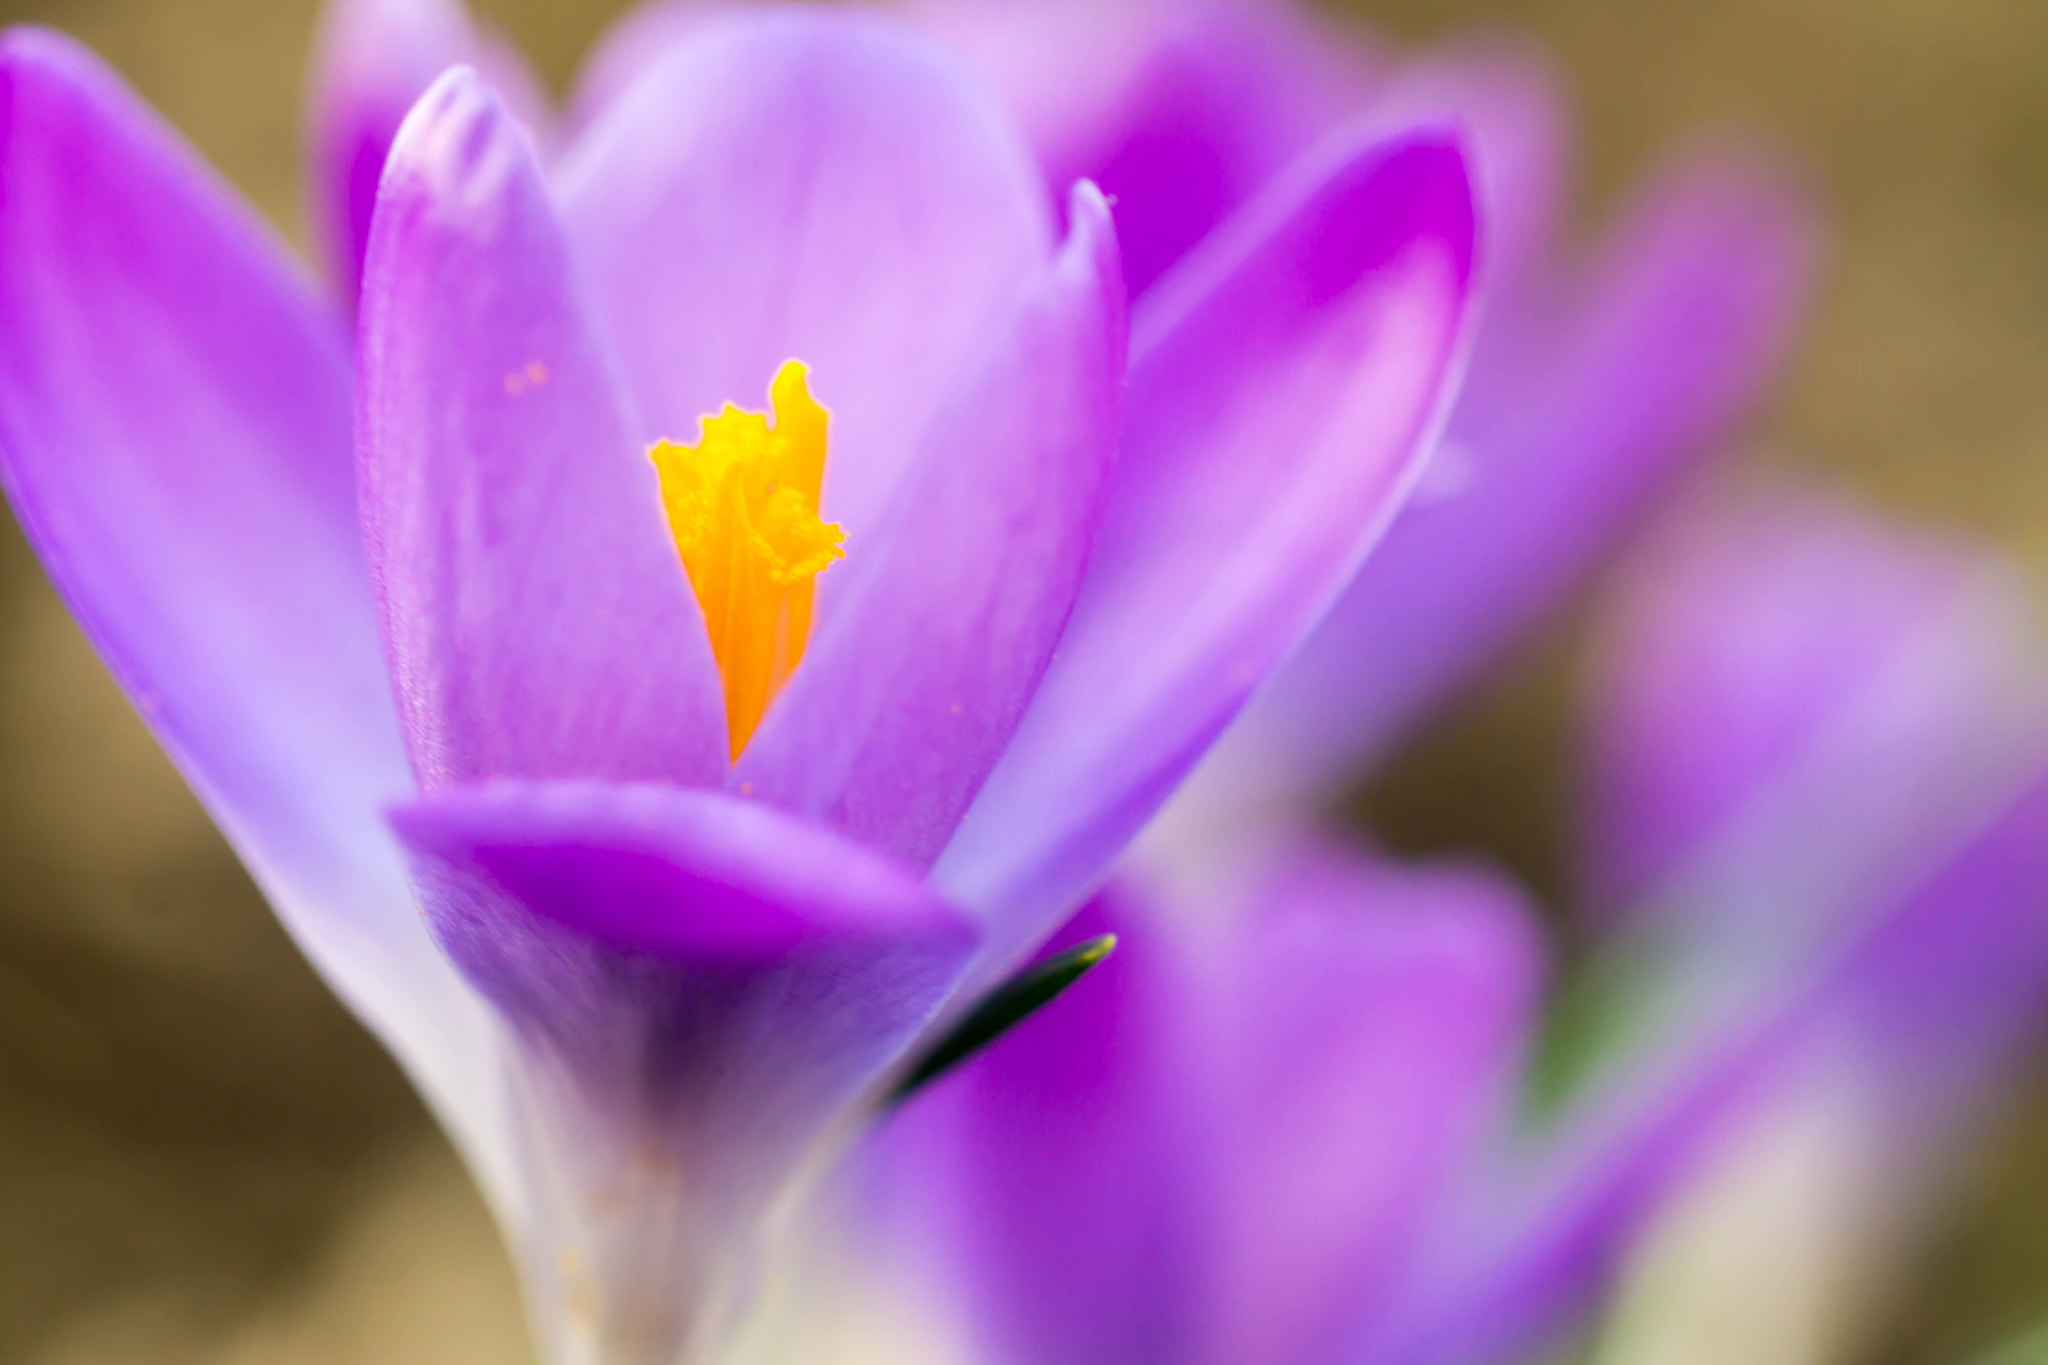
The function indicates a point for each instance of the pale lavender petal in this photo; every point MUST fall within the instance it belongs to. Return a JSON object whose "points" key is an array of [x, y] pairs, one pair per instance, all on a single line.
{"points": [[525, 95], [1778, 659], [1380, 1017], [698, 986], [1044, 1184], [1285, 382], [670, 872], [946, 623], [636, 42], [1569, 422], [1219, 1145], [536, 613], [811, 184], [1182, 112], [174, 436], [372, 60]]}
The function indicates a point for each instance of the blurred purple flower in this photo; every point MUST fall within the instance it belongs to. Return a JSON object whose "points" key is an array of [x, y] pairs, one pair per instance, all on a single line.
{"points": [[1817, 754], [673, 975], [1224, 1144], [1283, 1129], [1815, 828]]}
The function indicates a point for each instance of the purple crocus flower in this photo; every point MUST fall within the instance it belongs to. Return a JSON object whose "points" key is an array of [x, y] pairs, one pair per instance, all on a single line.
{"points": [[1283, 1130], [1815, 738], [1223, 1144], [649, 850], [1596, 378], [1816, 829]]}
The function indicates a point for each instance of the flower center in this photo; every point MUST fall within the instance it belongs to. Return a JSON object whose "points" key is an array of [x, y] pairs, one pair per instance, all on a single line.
{"points": [[743, 503]]}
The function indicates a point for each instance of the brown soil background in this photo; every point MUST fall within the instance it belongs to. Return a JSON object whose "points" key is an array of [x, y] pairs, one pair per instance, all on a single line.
{"points": [[202, 1158]]}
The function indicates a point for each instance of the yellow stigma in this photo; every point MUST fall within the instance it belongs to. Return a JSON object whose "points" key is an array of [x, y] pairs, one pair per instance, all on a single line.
{"points": [[743, 503]]}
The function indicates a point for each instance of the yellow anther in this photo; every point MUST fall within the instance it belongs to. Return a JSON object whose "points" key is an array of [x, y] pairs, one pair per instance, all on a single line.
{"points": [[743, 503]]}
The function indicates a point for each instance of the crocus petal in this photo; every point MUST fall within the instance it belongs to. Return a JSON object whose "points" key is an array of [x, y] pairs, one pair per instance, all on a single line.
{"points": [[636, 42], [1380, 1020], [810, 184], [174, 436], [1218, 1145], [1042, 1183], [372, 60], [1566, 425], [525, 95], [1180, 111], [946, 624], [698, 986], [1284, 384], [1509, 98], [1779, 662], [537, 616]]}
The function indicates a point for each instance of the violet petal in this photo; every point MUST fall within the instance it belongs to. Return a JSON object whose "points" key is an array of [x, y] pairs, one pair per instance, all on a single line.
{"points": [[1569, 422], [174, 422], [945, 625], [1285, 383], [699, 986], [538, 617], [808, 183], [1219, 1145]]}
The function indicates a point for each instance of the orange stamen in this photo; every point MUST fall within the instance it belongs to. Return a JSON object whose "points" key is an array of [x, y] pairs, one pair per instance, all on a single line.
{"points": [[743, 504]]}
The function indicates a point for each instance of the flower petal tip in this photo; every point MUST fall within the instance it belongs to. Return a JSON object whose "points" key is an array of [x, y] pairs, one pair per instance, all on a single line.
{"points": [[36, 59], [1427, 180], [457, 144], [28, 46]]}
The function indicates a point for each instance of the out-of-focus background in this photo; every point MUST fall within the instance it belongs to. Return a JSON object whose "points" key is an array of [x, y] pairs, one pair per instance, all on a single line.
{"points": [[202, 1158]]}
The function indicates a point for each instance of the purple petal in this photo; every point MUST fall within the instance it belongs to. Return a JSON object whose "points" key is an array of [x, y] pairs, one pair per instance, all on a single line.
{"points": [[698, 987], [1044, 1182], [1284, 383], [1779, 647], [1217, 1146], [537, 616], [1567, 425], [692, 876], [372, 60], [638, 41], [1381, 1018], [174, 418], [1510, 100], [946, 624], [525, 95], [1181, 112], [810, 184]]}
